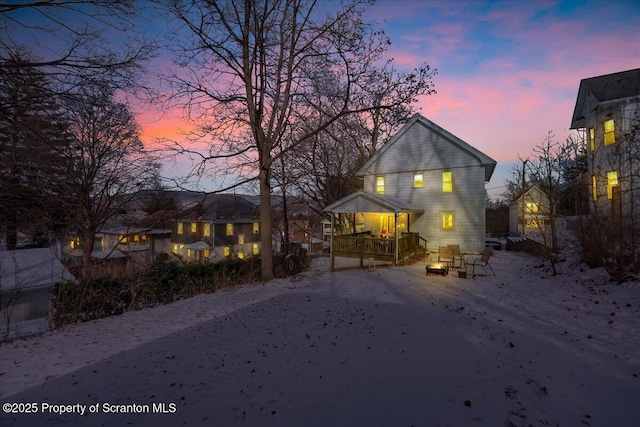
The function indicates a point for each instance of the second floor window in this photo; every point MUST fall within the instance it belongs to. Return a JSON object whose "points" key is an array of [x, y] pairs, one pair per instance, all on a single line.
{"points": [[609, 132], [380, 184], [194, 227], [207, 230], [180, 228], [592, 139], [229, 229], [447, 182], [418, 180], [612, 181], [532, 207], [256, 227]]}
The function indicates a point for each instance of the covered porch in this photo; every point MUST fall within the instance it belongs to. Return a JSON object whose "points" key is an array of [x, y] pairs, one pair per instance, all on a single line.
{"points": [[371, 226]]}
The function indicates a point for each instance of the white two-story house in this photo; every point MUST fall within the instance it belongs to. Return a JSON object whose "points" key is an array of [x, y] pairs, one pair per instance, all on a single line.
{"points": [[607, 111], [424, 184]]}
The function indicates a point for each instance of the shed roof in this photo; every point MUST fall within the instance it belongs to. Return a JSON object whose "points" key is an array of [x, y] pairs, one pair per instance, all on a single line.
{"points": [[365, 201], [30, 268]]}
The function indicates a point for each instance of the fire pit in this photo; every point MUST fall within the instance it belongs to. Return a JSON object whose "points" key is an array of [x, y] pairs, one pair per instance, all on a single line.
{"points": [[437, 269]]}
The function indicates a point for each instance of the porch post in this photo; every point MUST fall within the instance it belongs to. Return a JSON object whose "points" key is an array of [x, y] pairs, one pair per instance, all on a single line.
{"points": [[395, 215], [331, 244]]}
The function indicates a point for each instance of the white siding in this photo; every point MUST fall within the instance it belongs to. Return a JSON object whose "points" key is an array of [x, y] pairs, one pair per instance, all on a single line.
{"points": [[421, 150]]}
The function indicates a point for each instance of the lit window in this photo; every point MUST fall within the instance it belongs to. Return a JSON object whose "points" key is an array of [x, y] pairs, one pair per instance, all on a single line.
{"points": [[592, 139], [532, 207], [207, 230], [194, 227], [256, 227], [447, 220], [75, 243], [241, 255], [175, 249], [207, 253], [380, 184], [533, 223], [241, 239], [612, 181], [609, 132], [229, 229], [594, 187], [447, 182], [255, 249], [180, 228], [418, 180], [227, 251], [188, 253]]}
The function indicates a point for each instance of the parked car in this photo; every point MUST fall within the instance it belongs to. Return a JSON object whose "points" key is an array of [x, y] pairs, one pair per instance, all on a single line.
{"points": [[493, 243]]}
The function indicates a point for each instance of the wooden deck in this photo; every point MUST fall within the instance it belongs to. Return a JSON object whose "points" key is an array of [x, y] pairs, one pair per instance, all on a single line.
{"points": [[364, 246]]}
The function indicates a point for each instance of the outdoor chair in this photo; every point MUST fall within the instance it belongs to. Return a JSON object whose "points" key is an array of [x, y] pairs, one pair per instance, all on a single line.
{"points": [[445, 256], [456, 256], [483, 262]]}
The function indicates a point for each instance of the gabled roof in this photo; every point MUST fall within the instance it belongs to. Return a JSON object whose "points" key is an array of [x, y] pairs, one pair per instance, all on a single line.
{"points": [[223, 208], [365, 201], [482, 158], [609, 87], [31, 268]]}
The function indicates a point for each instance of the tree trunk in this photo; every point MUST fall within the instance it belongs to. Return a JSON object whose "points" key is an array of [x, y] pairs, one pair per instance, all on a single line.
{"points": [[266, 249], [88, 240]]}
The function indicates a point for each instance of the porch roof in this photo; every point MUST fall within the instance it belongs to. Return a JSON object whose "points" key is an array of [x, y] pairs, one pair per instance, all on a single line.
{"points": [[197, 246], [365, 201]]}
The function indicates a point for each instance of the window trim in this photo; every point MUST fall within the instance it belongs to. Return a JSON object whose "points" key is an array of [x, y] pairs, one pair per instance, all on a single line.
{"points": [[447, 185], [418, 183], [612, 181], [609, 133], [380, 180], [442, 220]]}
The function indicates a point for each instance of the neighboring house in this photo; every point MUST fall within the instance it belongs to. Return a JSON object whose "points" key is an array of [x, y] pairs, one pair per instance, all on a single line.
{"points": [[607, 111], [423, 182], [535, 205], [224, 225], [123, 247], [26, 279], [140, 245]]}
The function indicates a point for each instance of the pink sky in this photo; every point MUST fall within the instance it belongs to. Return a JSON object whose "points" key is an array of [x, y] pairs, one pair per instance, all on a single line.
{"points": [[508, 72]]}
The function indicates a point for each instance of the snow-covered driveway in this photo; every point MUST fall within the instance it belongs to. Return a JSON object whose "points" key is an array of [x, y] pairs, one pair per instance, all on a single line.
{"points": [[384, 347]]}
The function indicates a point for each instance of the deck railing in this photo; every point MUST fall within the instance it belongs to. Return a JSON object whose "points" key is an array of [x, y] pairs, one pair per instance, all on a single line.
{"points": [[366, 246]]}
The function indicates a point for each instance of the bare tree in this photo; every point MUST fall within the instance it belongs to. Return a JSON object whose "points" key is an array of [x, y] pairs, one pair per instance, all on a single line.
{"points": [[250, 72], [69, 39], [108, 158]]}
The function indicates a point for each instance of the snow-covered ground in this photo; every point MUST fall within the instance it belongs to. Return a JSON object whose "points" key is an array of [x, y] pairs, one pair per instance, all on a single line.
{"points": [[385, 346]]}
